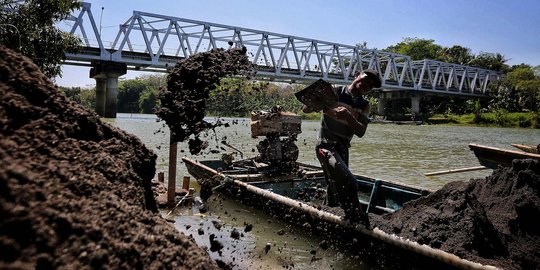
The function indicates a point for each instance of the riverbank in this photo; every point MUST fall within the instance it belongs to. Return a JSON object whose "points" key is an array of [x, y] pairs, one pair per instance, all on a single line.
{"points": [[491, 119], [488, 119]]}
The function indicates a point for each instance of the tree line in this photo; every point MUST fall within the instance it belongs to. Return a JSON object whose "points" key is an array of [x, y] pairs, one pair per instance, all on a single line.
{"points": [[518, 91], [233, 97]]}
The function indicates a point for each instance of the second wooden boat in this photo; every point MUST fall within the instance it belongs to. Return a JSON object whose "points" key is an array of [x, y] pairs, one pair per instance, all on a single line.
{"points": [[527, 148], [492, 157]]}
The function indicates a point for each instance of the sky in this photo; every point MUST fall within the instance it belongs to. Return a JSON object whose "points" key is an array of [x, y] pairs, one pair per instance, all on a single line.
{"points": [[511, 28]]}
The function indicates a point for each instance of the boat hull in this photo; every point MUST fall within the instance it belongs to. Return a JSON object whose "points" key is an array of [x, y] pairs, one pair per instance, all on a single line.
{"points": [[527, 148], [265, 195], [492, 157], [387, 197]]}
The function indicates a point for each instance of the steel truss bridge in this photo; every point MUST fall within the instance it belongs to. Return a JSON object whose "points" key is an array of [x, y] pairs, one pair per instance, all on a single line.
{"points": [[278, 57]]}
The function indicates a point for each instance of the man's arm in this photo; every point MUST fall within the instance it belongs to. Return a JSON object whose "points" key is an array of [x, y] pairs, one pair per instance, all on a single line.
{"points": [[357, 125]]}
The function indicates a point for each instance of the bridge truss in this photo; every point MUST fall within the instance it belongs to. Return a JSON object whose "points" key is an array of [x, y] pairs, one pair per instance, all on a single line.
{"points": [[167, 40]]}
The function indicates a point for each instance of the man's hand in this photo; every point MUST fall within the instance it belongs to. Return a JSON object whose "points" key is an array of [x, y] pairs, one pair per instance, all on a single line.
{"points": [[356, 120], [342, 113], [339, 113]]}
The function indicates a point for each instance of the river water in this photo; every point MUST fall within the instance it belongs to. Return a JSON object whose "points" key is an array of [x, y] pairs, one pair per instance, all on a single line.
{"points": [[400, 153]]}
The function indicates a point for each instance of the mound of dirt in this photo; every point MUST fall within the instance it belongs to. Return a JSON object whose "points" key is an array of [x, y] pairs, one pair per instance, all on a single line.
{"points": [[491, 221], [75, 192], [183, 102]]}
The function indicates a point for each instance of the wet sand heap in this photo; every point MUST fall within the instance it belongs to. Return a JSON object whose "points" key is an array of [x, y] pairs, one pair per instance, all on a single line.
{"points": [[75, 192], [183, 102], [491, 221]]}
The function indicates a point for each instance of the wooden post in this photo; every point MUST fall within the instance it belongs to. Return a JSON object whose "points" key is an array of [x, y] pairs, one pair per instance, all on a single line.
{"points": [[161, 177], [191, 193], [185, 183], [171, 187]]}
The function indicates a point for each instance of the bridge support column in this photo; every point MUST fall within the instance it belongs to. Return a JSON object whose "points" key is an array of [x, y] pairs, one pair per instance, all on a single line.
{"points": [[381, 106], [415, 105], [112, 94], [106, 74], [101, 91]]}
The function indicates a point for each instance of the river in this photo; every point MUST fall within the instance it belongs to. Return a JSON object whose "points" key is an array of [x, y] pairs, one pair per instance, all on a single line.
{"points": [[402, 153]]}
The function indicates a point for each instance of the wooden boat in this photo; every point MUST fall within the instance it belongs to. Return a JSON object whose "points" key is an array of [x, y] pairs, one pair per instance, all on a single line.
{"points": [[295, 195], [492, 157], [528, 148], [376, 195]]}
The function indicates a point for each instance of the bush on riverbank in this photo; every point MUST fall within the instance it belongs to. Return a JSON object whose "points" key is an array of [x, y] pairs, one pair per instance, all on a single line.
{"points": [[498, 118]]}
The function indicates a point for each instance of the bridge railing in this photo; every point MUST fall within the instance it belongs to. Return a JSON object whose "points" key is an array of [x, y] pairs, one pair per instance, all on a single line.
{"points": [[437, 76], [166, 40]]}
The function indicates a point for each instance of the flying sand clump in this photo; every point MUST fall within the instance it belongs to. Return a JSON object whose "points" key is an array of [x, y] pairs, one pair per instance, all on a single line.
{"points": [[183, 102]]}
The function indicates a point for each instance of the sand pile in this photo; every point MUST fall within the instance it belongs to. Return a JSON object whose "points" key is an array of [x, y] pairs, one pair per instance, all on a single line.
{"points": [[74, 192], [183, 102], [492, 221]]}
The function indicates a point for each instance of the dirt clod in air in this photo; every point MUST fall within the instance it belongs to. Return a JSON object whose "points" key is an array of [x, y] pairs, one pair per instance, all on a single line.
{"points": [[183, 102], [248, 227], [215, 245], [235, 234], [75, 193]]}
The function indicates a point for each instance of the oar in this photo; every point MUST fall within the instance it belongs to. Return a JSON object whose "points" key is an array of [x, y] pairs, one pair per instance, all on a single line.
{"points": [[226, 180], [457, 170], [181, 200], [228, 145]]}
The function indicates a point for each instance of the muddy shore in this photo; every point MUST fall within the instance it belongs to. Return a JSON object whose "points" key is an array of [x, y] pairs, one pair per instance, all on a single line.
{"points": [[75, 192]]}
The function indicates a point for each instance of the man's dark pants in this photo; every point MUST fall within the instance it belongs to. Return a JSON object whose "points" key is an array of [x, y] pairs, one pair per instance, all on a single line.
{"points": [[342, 187]]}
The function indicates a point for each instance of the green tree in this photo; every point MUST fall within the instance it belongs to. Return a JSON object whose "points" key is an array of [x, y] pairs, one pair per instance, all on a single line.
{"points": [[503, 95], [73, 93], [418, 49], [228, 98], [527, 86], [85, 97], [148, 99], [28, 27], [88, 98], [154, 80], [276, 95], [492, 61], [458, 55], [536, 71], [238, 97], [129, 92]]}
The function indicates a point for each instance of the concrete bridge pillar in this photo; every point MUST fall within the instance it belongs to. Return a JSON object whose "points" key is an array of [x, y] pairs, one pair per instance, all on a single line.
{"points": [[101, 91], [112, 94], [106, 74], [415, 105], [381, 106]]}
